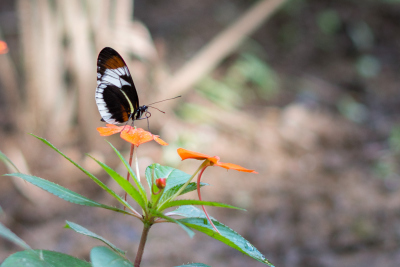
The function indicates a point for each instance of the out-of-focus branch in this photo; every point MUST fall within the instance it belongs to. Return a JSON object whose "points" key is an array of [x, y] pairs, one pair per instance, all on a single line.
{"points": [[218, 48]]}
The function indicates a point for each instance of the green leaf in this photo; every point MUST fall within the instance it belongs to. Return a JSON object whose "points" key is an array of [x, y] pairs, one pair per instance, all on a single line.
{"points": [[174, 176], [82, 230], [188, 211], [167, 172], [194, 265], [227, 236], [150, 178], [10, 236], [127, 186], [105, 257], [161, 215], [128, 167], [42, 258], [63, 192], [189, 188], [91, 176], [175, 179], [182, 202], [6, 160]]}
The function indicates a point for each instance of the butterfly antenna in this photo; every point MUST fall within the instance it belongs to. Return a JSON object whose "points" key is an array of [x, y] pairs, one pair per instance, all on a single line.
{"points": [[157, 109], [164, 100]]}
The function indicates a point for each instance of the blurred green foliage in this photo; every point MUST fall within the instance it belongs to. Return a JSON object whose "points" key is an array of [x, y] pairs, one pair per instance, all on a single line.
{"points": [[368, 66], [387, 165], [352, 110], [361, 35], [328, 21], [248, 77], [394, 139]]}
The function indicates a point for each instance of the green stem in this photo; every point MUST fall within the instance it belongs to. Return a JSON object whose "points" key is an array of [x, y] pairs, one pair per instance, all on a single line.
{"points": [[137, 163], [205, 163], [152, 189], [143, 239]]}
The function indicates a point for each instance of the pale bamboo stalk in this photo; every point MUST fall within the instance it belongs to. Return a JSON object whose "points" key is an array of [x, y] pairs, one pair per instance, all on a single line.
{"points": [[28, 17], [218, 48], [83, 65], [9, 83], [52, 87]]}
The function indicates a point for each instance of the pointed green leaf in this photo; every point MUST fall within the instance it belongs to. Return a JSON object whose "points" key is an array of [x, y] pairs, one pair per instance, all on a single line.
{"points": [[189, 188], [194, 265], [42, 258], [82, 230], [182, 202], [150, 178], [91, 176], [132, 173], [161, 215], [63, 192], [188, 211], [127, 186], [227, 236], [105, 257], [10, 236], [6, 160]]}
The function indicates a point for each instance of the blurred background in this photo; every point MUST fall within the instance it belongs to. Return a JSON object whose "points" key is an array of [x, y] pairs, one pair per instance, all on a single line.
{"points": [[306, 92]]}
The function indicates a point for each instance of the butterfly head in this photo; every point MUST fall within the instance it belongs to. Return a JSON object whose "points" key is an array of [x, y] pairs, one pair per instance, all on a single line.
{"points": [[142, 110]]}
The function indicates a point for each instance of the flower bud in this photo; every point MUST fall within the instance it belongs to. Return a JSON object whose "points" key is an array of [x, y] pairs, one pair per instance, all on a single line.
{"points": [[161, 182]]}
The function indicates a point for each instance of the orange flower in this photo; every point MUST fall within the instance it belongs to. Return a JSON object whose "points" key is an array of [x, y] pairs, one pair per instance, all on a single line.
{"points": [[135, 136], [3, 47], [187, 154], [209, 161]]}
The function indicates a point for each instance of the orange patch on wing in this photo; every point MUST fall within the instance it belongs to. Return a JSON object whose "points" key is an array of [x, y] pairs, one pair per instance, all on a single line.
{"points": [[115, 62], [125, 116]]}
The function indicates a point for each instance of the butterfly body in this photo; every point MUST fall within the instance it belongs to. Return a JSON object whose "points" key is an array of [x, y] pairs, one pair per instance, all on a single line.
{"points": [[116, 95]]}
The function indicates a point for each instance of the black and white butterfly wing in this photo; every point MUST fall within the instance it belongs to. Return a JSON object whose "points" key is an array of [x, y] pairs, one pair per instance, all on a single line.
{"points": [[116, 95]]}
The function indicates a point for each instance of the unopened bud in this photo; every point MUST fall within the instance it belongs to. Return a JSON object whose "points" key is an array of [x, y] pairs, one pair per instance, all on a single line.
{"points": [[161, 182]]}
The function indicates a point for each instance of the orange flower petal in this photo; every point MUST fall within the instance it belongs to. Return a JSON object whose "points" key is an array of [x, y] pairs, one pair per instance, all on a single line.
{"points": [[109, 130], [231, 166], [160, 141], [187, 154], [136, 136]]}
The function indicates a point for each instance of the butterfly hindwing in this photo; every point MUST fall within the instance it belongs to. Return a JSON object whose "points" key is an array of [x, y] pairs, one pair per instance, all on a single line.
{"points": [[116, 95]]}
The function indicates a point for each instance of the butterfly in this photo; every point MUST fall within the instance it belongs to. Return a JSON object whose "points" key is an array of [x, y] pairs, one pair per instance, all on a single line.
{"points": [[116, 95]]}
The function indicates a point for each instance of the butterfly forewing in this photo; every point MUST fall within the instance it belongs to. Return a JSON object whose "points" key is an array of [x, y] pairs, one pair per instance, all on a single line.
{"points": [[116, 95]]}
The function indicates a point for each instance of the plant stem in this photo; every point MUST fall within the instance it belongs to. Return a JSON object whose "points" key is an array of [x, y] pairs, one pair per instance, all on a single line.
{"points": [[143, 239], [136, 163], [204, 164], [130, 164], [198, 192]]}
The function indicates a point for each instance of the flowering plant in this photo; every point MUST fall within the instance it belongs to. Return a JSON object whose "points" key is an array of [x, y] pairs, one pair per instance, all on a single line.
{"points": [[165, 186]]}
